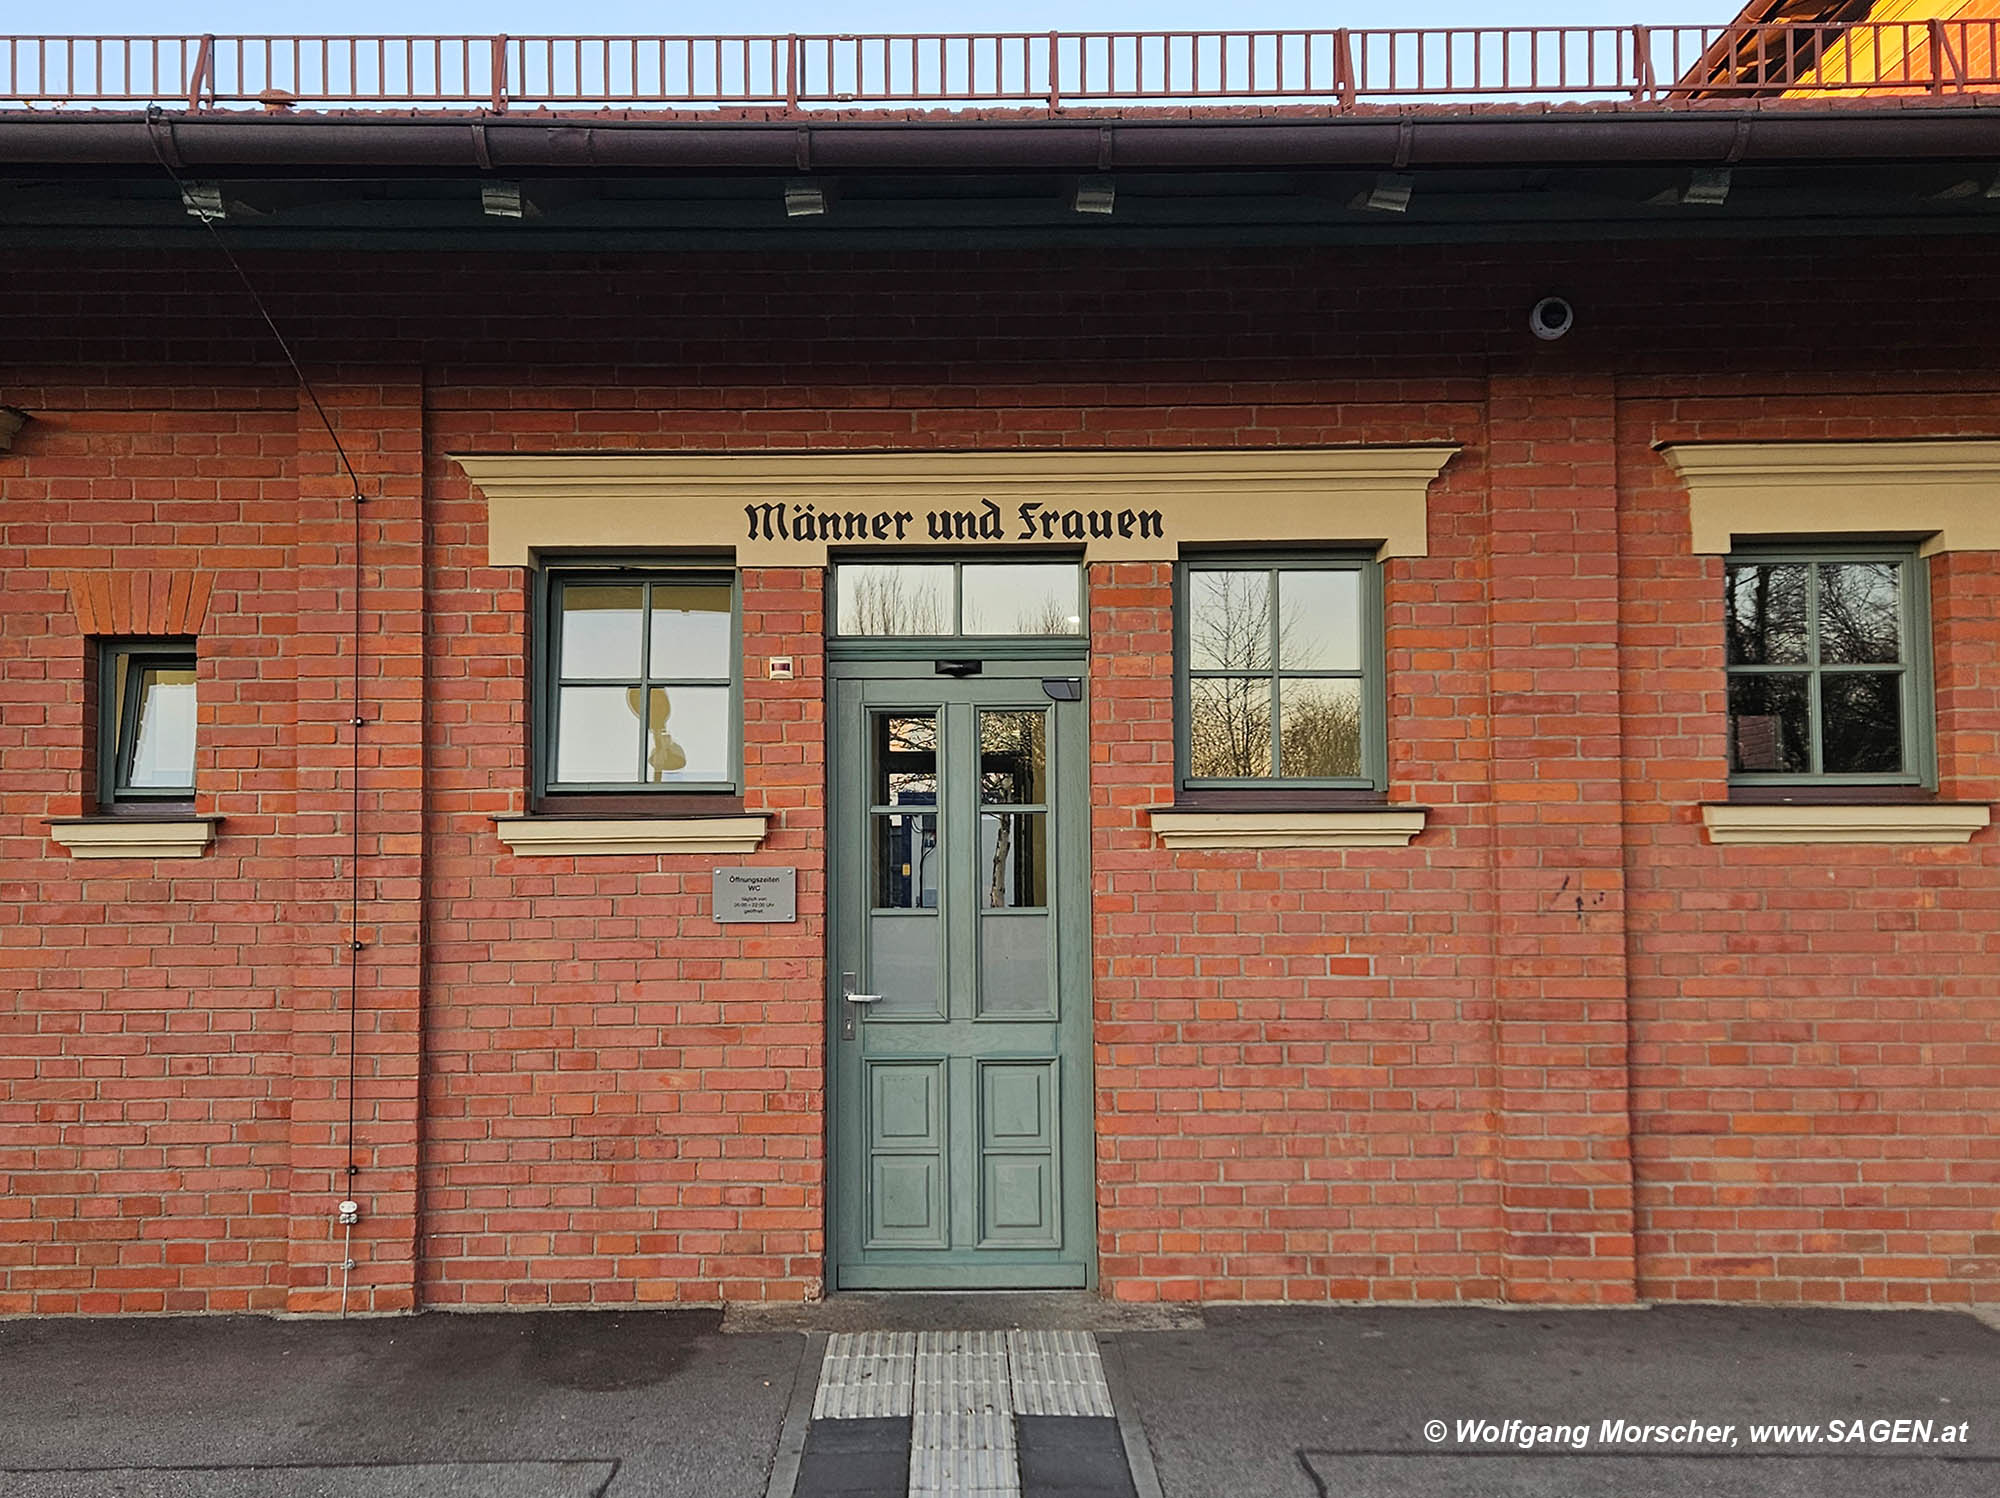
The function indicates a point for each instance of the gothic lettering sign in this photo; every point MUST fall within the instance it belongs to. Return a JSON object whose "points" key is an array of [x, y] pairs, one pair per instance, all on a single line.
{"points": [[1030, 521], [789, 509]]}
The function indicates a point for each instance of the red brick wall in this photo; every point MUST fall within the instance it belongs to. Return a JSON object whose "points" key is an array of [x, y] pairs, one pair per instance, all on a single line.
{"points": [[146, 1074], [1815, 1030], [1396, 1074]]}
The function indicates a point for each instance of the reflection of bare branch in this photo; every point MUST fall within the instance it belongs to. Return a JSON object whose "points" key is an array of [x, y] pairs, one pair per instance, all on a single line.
{"points": [[883, 601], [1049, 615], [1767, 619], [1858, 612], [1231, 628], [1003, 838], [1229, 728], [1320, 738]]}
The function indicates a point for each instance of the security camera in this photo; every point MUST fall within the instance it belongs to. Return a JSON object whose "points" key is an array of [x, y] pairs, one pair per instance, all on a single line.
{"points": [[1550, 318]]}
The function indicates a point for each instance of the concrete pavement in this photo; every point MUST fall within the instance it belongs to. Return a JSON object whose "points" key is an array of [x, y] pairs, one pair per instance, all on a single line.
{"points": [[1245, 1403]]}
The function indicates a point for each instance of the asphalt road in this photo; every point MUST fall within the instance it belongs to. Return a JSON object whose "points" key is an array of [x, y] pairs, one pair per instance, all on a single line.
{"points": [[563, 1404], [1271, 1403], [1255, 1403]]}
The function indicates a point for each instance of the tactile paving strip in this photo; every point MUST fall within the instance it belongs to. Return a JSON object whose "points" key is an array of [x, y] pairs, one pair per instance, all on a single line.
{"points": [[866, 1375], [962, 1427], [964, 1474], [962, 1371], [1057, 1373], [966, 1404]]}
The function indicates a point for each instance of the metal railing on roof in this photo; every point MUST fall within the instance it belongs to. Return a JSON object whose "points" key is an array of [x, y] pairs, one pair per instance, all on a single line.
{"points": [[1021, 70]]}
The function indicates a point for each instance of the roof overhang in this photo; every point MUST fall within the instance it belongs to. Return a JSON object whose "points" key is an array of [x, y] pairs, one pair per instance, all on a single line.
{"points": [[716, 179], [1415, 138]]}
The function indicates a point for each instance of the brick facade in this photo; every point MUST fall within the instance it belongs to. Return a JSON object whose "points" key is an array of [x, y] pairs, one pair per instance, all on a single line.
{"points": [[1560, 1048]]}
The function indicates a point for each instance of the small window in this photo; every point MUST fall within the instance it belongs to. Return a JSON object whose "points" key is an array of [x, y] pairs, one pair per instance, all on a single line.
{"points": [[1281, 675], [1828, 666], [639, 684], [951, 599], [146, 723]]}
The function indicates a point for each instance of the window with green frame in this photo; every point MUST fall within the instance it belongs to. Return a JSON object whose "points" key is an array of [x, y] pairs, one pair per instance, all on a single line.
{"points": [[639, 681], [146, 725], [1829, 667], [1280, 674]]}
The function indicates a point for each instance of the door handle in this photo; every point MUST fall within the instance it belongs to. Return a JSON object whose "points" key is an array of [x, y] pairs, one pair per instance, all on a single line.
{"points": [[847, 992]]}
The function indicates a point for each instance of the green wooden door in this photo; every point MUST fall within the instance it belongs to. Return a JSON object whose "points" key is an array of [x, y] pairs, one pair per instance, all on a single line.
{"points": [[959, 901]]}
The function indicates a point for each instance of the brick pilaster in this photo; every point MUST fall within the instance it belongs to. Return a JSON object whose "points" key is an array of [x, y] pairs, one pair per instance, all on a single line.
{"points": [[381, 428], [1560, 980]]}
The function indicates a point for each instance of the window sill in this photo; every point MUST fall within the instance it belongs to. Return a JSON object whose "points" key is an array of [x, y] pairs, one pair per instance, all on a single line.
{"points": [[1754, 794], [1374, 827], [129, 836], [583, 837], [1285, 799], [1895, 822]]}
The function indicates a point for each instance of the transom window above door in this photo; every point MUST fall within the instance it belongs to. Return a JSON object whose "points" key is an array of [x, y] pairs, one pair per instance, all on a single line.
{"points": [[943, 600]]}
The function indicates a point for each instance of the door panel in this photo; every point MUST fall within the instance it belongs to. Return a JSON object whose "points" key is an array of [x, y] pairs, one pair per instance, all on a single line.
{"points": [[1020, 1184], [959, 905], [906, 1141]]}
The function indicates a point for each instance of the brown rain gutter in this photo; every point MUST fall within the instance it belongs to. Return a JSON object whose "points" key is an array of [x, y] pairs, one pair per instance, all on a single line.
{"points": [[356, 142]]}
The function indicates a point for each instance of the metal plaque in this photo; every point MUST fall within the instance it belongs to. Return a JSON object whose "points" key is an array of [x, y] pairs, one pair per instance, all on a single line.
{"points": [[767, 895]]}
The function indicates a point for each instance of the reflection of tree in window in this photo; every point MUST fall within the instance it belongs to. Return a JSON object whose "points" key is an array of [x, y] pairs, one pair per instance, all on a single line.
{"points": [[1046, 616], [1013, 780], [1319, 737], [893, 601], [1249, 657], [1767, 615], [1858, 613], [1229, 629], [1807, 641]]}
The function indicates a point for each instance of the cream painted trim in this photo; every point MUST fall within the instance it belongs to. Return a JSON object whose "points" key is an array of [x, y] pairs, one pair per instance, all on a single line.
{"points": [[130, 837], [1844, 824], [1947, 491], [1287, 829], [566, 837], [605, 501]]}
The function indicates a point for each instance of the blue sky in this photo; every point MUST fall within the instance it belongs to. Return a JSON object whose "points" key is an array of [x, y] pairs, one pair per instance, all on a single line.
{"points": [[625, 17]]}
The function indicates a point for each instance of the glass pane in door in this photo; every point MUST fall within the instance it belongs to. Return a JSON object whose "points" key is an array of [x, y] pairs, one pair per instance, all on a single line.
{"points": [[905, 941]]}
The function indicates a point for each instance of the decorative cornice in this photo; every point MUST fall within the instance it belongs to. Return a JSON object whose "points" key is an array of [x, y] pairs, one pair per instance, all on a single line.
{"points": [[1947, 492], [575, 837], [1952, 823], [135, 837], [609, 501], [1369, 828]]}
